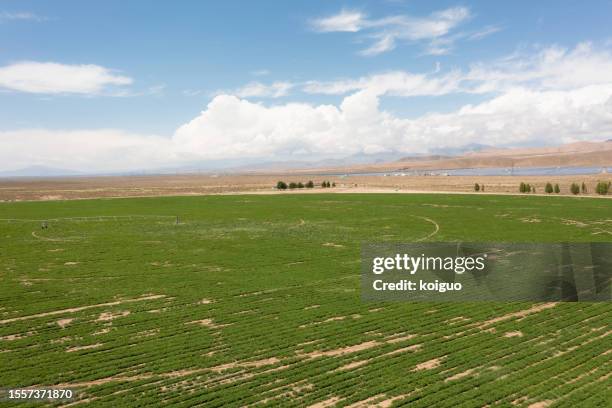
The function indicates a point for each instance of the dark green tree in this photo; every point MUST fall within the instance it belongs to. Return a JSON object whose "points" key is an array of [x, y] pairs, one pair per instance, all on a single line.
{"points": [[575, 188], [281, 185], [476, 187], [557, 189], [310, 184], [549, 188], [602, 188]]}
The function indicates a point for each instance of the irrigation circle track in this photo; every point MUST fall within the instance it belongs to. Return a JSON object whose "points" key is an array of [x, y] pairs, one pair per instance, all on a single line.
{"points": [[35, 235], [429, 220]]}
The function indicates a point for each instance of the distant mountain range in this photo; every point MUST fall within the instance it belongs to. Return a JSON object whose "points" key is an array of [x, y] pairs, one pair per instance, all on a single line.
{"points": [[39, 171], [587, 154], [580, 154]]}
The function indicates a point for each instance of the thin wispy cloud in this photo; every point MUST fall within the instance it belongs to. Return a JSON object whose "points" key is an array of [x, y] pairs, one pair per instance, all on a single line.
{"points": [[346, 20], [552, 68], [191, 92], [20, 15], [260, 72], [484, 32], [385, 34], [260, 90]]}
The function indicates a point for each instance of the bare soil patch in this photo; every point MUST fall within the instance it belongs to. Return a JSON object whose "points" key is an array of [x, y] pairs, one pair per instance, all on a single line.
{"points": [[429, 365], [108, 316], [208, 323], [64, 322], [81, 308], [343, 350], [331, 244], [79, 348], [520, 314], [541, 404], [330, 402]]}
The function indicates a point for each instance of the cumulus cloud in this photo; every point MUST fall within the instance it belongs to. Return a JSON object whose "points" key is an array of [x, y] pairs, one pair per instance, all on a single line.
{"points": [[54, 78], [553, 96], [386, 32], [232, 127], [97, 150]]}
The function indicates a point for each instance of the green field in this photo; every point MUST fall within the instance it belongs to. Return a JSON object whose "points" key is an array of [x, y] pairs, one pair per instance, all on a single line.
{"points": [[255, 300]]}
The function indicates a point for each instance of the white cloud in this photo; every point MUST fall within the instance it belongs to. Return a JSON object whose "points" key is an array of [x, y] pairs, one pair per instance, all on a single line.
{"points": [[191, 92], [346, 20], [20, 15], [259, 90], [97, 150], [233, 128], [552, 68], [553, 96], [388, 31], [396, 83], [54, 78], [484, 32], [260, 72]]}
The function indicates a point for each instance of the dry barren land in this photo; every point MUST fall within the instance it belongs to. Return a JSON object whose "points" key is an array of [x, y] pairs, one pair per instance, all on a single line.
{"points": [[19, 189]]}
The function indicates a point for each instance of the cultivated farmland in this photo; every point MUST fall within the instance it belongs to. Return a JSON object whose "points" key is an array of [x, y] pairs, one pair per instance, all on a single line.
{"points": [[254, 300]]}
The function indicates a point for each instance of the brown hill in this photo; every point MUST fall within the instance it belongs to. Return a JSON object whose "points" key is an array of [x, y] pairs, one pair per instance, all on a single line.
{"points": [[575, 155]]}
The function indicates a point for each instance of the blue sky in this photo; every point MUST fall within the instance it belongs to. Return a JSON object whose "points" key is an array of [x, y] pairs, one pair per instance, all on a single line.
{"points": [[158, 75]]}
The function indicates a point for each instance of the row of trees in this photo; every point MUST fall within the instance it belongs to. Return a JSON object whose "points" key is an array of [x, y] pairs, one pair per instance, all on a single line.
{"points": [[281, 185], [548, 189], [527, 188], [602, 188]]}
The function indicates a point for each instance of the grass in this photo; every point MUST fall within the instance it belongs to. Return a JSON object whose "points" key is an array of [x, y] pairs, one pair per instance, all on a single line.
{"points": [[256, 298]]}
